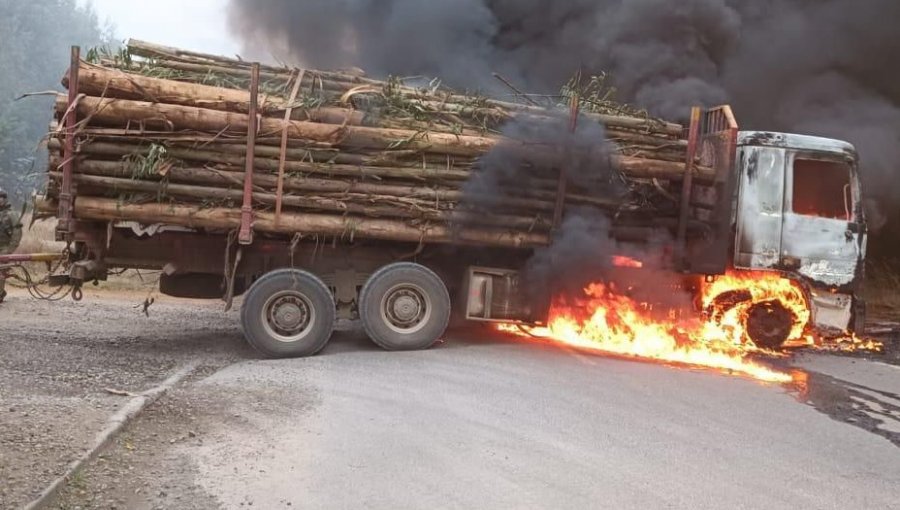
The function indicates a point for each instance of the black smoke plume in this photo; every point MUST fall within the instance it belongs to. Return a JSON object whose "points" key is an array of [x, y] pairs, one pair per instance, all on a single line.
{"points": [[822, 67], [542, 149]]}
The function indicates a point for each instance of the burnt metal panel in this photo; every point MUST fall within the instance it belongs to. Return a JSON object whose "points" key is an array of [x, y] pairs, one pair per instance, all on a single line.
{"points": [[832, 313], [827, 251], [760, 208]]}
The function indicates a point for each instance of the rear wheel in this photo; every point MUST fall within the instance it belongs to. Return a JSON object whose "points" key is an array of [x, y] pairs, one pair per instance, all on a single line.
{"points": [[288, 313], [405, 307]]}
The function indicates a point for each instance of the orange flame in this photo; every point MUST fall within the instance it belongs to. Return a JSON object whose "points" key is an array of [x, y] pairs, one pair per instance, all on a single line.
{"points": [[606, 321], [622, 261], [848, 344], [730, 318]]}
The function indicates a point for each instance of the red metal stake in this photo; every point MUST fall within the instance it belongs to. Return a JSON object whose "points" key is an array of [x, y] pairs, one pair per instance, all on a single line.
{"points": [[66, 195], [245, 235], [687, 187]]}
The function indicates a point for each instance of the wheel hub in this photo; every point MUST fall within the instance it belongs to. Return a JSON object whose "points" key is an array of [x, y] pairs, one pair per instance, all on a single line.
{"points": [[289, 315], [405, 308]]}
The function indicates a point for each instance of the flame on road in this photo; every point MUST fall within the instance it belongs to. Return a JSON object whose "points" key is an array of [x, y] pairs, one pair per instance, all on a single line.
{"points": [[606, 320]]}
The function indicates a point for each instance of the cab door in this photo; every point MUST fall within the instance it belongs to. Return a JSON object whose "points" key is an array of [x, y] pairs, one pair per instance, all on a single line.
{"points": [[824, 233], [759, 214]]}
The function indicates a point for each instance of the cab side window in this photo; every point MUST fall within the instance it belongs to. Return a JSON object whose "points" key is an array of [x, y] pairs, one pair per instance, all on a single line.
{"points": [[822, 189]]}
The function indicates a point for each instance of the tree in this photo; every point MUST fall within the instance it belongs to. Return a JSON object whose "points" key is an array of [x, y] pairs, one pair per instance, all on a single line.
{"points": [[35, 37]]}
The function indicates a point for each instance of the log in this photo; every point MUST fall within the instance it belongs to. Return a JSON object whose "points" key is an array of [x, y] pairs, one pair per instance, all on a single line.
{"points": [[100, 81], [344, 227], [159, 52], [117, 179], [634, 167], [118, 112], [538, 201], [267, 164], [211, 63], [301, 151]]}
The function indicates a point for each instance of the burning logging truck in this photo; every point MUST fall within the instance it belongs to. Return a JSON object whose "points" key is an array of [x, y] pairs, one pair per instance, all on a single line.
{"points": [[329, 195]]}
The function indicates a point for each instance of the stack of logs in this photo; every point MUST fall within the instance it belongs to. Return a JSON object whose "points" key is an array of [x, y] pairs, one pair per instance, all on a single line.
{"points": [[162, 137]]}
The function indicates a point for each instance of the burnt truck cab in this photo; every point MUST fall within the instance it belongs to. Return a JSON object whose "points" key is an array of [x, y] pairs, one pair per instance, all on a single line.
{"points": [[798, 210], [782, 203]]}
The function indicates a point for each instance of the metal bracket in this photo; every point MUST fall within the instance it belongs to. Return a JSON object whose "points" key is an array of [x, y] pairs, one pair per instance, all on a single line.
{"points": [[66, 193], [687, 187]]}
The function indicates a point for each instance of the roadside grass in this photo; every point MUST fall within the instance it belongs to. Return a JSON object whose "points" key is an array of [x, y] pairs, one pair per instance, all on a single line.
{"points": [[40, 238], [882, 291]]}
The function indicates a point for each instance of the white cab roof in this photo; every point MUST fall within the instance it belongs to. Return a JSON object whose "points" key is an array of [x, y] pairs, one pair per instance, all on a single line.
{"points": [[799, 142]]}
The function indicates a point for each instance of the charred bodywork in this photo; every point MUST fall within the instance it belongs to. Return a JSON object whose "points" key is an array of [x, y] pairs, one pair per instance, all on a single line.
{"points": [[799, 211]]}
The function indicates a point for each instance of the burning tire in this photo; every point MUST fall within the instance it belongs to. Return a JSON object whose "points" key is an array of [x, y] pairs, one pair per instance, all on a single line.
{"points": [[288, 313], [405, 307], [769, 324], [726, 301]]}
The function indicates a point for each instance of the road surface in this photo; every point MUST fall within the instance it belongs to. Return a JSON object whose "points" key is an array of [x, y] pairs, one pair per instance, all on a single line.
{"points": [[481, 421]]}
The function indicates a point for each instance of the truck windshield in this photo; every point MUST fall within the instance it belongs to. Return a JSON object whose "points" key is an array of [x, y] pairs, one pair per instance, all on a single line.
{"points": [[822, 189]]}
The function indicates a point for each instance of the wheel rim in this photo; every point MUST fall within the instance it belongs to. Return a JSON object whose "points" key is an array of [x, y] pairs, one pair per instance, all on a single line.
{"points": [[406, 308], [288, 316]]}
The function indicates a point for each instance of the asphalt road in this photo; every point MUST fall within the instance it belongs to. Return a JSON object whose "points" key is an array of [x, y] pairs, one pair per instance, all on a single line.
{"points": [[479, 422], [502, 425]]}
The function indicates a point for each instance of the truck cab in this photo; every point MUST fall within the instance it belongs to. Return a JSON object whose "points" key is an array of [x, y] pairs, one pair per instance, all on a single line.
{"points": [[782, 203], [799, 211]]}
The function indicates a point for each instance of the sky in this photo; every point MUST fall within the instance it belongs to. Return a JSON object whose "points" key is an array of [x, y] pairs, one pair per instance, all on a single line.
{"points": [[198, 25]]}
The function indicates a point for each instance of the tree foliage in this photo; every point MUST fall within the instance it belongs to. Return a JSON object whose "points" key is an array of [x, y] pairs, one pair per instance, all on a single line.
{"points": [[35, 37]]}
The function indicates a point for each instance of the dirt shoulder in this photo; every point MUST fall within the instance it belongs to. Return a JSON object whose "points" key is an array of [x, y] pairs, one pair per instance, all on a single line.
{"points": [[58, 362]]}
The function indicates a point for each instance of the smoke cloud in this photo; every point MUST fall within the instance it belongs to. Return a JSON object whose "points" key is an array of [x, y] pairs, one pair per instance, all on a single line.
{"points": [[822, 67], [584, 154]]}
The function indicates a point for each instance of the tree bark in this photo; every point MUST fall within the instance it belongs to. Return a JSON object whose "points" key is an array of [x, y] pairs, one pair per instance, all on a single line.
{"points": [[120, 112], [345, 227], [206, 184], [110, 83]]}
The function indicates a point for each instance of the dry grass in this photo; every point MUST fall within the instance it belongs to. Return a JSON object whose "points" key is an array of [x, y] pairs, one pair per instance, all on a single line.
{"points": [[40, 238], [882, 291]]}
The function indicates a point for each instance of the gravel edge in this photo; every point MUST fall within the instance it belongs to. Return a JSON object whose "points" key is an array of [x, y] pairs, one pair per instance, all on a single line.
{"points": [[114, 425]]}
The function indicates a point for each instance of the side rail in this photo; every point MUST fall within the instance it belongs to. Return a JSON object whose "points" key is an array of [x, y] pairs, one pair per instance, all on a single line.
{"points": [[707, 201]]}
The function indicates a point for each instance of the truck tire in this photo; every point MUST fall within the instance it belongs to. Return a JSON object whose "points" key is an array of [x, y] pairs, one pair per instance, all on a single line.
{"points": [[405, 307], [288, 314]]}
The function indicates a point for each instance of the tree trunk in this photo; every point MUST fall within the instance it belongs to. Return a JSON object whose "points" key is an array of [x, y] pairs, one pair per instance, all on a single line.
{"points": [[345, 227], [206, 184], [120, 112]]}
